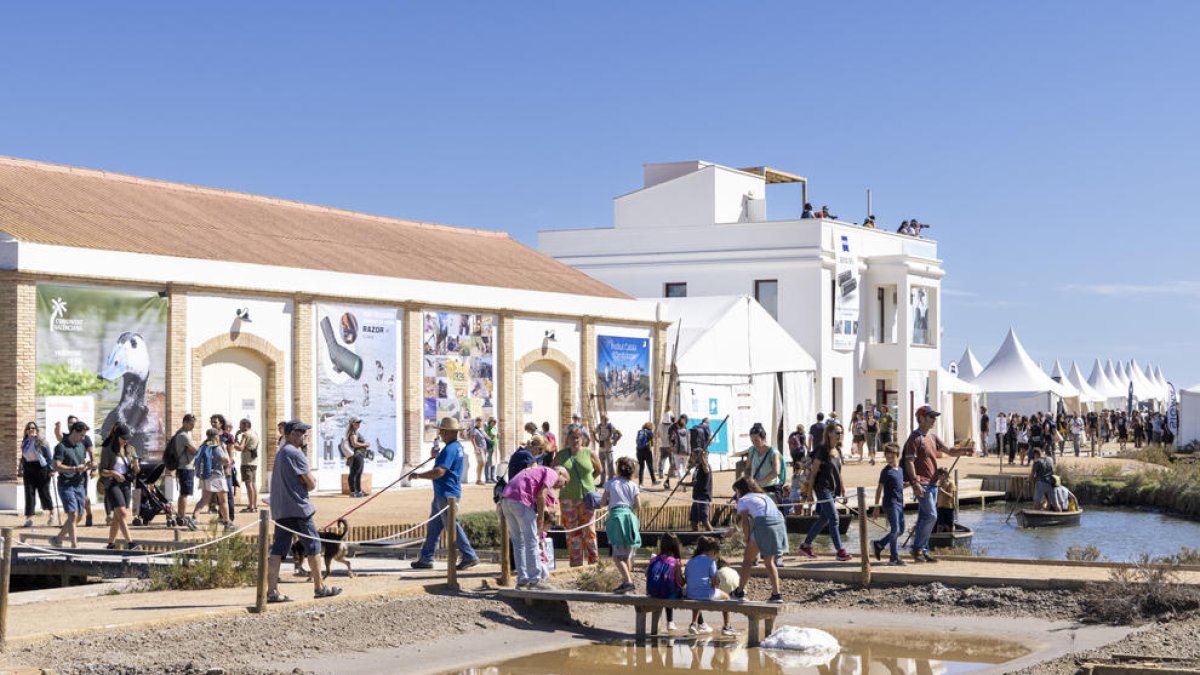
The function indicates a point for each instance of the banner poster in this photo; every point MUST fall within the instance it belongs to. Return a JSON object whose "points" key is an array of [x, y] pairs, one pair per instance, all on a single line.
{"points": [[356, 377], [623, 365], [846, 296], [101, 356], [1172, 410], [700, 402], [918, 300], [457, 368]]}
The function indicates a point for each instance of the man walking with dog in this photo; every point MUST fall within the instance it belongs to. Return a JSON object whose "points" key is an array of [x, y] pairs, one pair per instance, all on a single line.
{"points": [[291, 481], [447, 475]]}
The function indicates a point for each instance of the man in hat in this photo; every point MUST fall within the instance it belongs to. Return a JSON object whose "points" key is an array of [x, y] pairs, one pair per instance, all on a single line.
{"points": [[920, 471], [447, 475], [291, 481]]}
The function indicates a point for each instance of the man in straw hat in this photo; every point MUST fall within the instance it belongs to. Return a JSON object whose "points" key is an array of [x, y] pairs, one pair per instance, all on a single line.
{"points": [[446, 474]]}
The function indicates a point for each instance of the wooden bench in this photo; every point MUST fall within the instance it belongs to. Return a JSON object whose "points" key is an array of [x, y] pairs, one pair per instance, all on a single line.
{"points": [[643, 606]]}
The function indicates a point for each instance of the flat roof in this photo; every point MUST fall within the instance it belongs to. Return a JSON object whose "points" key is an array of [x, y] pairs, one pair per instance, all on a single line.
{"points": [[772, 176]]}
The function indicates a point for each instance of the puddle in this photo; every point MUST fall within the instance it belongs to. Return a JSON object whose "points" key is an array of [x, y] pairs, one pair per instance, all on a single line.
{"points": [[867, 652]]}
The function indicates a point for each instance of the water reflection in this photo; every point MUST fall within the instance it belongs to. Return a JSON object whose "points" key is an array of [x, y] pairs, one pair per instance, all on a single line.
{"points": [[874, 652]]}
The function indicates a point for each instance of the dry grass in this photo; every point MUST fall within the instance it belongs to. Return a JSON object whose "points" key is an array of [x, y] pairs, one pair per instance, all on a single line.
{"points": [[1150, 589]]}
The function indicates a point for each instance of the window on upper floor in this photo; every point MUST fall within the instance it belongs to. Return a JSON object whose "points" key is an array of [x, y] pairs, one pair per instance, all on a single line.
{"points": [[923, 307], [675, 290], [766, 292]]}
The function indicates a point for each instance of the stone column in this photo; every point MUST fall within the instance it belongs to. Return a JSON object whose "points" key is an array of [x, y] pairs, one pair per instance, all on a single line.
{"points": [[661, 369], [413, 391], [303, 366], [178, 401], [18, 374], [506, 376], [587, 371]]}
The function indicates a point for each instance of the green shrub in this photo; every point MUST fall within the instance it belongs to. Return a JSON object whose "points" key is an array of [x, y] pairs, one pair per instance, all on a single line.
{"points": [[1185, 556], [482, 528], [230, 563], [598, 578], [1147, 590]]}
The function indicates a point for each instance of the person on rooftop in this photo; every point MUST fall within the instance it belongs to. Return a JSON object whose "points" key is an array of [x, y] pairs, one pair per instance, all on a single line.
{"points": [[869, 223], [824, 213], [807, 212]]}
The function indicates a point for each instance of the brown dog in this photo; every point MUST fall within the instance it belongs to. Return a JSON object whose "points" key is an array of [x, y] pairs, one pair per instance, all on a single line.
{"points": [[332, 548]]}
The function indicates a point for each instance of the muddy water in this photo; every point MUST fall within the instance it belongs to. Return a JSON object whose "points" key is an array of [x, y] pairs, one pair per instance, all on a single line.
{"points": [[875, 652]]}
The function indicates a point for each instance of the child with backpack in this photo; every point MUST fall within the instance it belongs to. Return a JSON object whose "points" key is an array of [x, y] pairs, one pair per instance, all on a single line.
{"points": [[702, 578], [645, 454], [210, 462], [664, 574]]}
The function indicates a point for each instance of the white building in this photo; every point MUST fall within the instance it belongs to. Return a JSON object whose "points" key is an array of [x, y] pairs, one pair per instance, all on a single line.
{"points": [[863, 302]]}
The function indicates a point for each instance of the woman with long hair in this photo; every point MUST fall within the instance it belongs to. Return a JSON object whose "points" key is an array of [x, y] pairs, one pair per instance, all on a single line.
{"points": [[858, 430], [36, 468], [583, 465], [764, 531], [118, 466], [358, 458], [825, 485]]}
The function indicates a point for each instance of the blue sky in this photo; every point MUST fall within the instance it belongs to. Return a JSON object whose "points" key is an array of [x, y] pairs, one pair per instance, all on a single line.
{"points": [[1054, 146]]}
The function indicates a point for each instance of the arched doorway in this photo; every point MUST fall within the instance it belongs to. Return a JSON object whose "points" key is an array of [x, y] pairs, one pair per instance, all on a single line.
{"points": [[545, 391], [234, 384]]}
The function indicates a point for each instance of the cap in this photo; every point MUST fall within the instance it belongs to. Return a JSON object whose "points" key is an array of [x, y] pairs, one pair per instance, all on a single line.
{"points": [[295, 425], [927, 411]]}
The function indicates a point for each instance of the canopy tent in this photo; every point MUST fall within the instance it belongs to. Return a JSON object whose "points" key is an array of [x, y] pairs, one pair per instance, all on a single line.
{"points": [[1117, 375], [959, 422], [1103, 384], [1060, 376], [1088, 395], [1160, 387], [969, 366], [1189, 416], [1143, 390], [1162, 381], [735, 359], [1013, 383]]}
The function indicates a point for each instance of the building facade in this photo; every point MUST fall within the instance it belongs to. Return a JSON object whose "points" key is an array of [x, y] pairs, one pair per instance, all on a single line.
{"points": [[138, 301], [865, 303]]}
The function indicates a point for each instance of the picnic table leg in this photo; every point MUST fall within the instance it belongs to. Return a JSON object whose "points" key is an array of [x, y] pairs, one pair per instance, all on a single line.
{"points": [[768, 626], [655, 616], [754, 636], [640, 627]]}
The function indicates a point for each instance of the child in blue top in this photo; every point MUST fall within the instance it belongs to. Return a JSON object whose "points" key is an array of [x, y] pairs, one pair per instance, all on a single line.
{"points": [[701, 580], [891, 488]]}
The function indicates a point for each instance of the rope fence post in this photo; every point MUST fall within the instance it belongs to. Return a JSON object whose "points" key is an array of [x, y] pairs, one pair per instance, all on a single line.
{"points": [[5, 577], [264, 528], [452, 543], [864, 544], [505, 573]]}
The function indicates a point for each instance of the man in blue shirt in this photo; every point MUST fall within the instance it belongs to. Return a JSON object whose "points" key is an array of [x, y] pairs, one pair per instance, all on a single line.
{"points": [[446, 474]]}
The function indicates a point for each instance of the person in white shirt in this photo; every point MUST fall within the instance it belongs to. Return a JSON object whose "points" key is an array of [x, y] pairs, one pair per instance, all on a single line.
{"points": [[1076, 432], [1001, 431]]}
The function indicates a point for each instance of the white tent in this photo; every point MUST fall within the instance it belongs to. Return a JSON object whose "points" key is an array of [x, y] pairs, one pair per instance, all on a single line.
{"points": [[1101, 382], [1162, 381], [1160, 388], [1060, 376], [1143, 391], [960, 409], [1013, 383], [735, 359], [1087, 394], [968, 366], [1117, 375], [1189, 415]]}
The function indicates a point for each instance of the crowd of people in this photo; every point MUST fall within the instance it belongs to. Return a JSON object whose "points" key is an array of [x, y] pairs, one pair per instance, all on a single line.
{"points": [[1016, 436], [912, 227]]}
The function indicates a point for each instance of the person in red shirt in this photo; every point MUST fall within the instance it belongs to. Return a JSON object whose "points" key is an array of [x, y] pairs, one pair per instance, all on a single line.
{"points": [[920, 471]]}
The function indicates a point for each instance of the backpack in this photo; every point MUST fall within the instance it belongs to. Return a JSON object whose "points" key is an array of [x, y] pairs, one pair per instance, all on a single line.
{"points": [[204, 461], [644, 436], [660, 578], [795, 441], [498, 489], [696, 438], [170, 455]]}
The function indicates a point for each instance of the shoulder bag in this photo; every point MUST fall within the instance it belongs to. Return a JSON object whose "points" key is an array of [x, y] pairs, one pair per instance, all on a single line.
{"points": [[591, 499]]}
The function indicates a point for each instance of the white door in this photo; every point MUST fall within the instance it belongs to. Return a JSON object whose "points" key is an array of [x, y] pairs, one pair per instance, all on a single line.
{"points": [[233, 384], [541, 389]]}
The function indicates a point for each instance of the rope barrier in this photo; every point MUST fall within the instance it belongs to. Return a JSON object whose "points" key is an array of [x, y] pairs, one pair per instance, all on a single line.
{"points": [[82, 553], [585, 525], [414, 528]]}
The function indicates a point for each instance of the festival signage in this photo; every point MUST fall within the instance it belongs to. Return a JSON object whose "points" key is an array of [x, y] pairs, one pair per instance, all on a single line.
{"points": [[457, 367], [357, 377], [918, 300], [1172, 410], [846, 296], [712, 402], [623, 367], [101, 356]]}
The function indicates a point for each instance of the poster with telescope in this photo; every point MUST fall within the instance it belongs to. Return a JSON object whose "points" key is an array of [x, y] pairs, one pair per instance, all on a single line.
{"points": [[356, 377], [457, 364], [101, 356]]}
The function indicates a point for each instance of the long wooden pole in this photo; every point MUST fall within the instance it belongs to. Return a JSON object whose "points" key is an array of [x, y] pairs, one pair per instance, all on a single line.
{"points": [[5, 579], [264, 547], [505, 572], [452, 543], [679, 483], [864, 545], [385, 489]]}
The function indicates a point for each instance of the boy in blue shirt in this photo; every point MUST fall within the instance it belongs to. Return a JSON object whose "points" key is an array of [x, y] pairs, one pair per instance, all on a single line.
{"points": [[891, 488]]}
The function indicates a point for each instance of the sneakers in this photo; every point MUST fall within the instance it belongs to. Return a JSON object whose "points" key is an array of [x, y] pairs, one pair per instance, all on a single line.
{"points": [[111, 547], [806, 551], [671, 627], [737, 594], [666, 484], [897, 562], [542, 585], [877, 546], [88, 521], [466, 564], [693, 629], [776, 599], [133, 547], [136, 522], [55, 542], [844, 556], [327, 592], [422, 565], [728, 631], [624, 588], [928, 558], [28, 522], [50, 521]]}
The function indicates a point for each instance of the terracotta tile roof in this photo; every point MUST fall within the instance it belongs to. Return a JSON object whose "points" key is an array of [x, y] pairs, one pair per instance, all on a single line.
{"points": [[67, 206]]}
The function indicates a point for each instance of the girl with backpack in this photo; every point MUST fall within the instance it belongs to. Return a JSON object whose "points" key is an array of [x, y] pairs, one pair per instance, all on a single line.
{"points": [[210, 462], [645, 454], [664, 574]]}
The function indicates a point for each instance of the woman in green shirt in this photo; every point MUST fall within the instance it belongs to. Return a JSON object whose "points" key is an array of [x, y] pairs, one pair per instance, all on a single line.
{"points": [[583, 464]]}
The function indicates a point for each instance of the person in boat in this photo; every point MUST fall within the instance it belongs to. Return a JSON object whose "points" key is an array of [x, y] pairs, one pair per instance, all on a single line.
{"points": [[947, 491], [1041, 473], [1062, 499]]}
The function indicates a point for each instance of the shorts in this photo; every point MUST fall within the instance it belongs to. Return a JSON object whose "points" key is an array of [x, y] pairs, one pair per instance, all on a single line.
{"points": [[859, 438], [118, 495], [215, 484], [249, 474], [72, 497], [282, 543], [621, 551], [698, 513], [187, 481]]}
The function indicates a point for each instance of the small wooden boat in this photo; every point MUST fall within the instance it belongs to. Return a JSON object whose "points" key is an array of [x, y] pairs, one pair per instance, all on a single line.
{"points": [[961, 537], [1035, 518], [800, 524]]}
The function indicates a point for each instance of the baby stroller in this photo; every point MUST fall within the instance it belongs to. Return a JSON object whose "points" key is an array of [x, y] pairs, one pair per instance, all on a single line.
{"points": [[152, 500]]}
